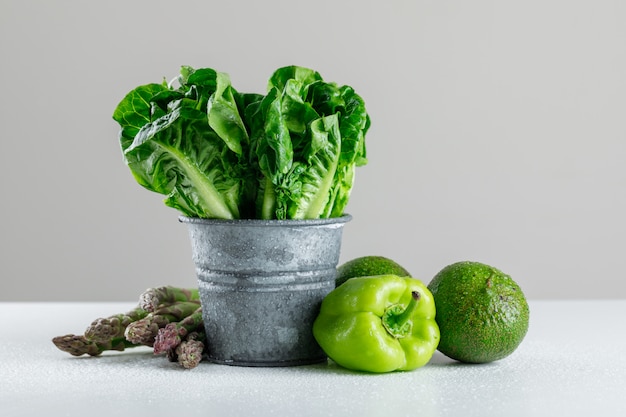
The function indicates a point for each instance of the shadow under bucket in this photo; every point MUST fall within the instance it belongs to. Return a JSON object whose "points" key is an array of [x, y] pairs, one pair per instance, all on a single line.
{"points": [[261, 283]]}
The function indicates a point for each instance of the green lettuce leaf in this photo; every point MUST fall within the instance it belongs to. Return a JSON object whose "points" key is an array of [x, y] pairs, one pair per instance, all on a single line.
{"points": [[308, 136], [136, 110], [217, 153], [187, 144]]}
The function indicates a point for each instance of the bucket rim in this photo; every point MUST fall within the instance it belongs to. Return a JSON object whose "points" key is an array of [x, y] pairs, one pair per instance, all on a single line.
{"points": [[263, 222]]}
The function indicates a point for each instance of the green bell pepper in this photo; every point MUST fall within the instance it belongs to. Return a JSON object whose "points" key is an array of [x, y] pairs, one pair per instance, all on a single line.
{"points": [[378, 324]]}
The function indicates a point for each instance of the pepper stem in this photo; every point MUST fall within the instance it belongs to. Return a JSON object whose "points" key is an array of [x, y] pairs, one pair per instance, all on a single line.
{"points": [[408, 311], [397, 320]]}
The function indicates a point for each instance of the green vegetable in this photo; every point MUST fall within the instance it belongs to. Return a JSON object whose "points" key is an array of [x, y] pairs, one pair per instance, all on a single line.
{"points": [[78, 345], [102, 330], [172, 308], [366, 266], [191, 350], [101, 335], [170, 336], [218, 153], [187, 143], [309, 136], [144, 331], [482, 312], [152, 298], [379, 323]]}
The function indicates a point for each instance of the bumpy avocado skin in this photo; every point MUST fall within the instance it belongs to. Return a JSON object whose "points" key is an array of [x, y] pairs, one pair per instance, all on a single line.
{"points": [[482, 313], [366, 266]]}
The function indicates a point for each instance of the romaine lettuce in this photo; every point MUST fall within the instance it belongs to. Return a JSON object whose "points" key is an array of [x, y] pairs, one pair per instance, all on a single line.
{"points": [[217, 153], [309, 139], [187, 143]]}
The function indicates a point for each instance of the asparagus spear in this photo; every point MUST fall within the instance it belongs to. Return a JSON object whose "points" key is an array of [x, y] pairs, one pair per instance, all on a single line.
{"points": [[78, 345], [144, 331], [167, 305], [170, 336], [152, 298], [103, 334], [190, 351], [102, 330]]}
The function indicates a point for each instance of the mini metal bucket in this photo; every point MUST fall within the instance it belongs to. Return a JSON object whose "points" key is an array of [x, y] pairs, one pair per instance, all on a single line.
{"points": [[261, 283]]}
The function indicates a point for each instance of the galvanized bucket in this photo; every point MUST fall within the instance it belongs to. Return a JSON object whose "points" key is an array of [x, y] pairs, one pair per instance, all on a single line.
{"points": [[261, 283]]}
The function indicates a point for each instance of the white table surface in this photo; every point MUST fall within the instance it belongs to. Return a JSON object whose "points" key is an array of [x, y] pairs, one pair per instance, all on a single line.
{"points": [[571, 363]]}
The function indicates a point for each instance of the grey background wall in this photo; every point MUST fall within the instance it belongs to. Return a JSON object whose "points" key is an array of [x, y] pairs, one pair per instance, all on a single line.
{"points": [[498, 134]]}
